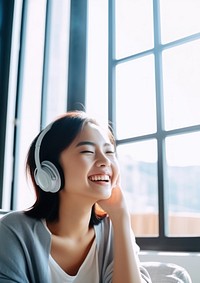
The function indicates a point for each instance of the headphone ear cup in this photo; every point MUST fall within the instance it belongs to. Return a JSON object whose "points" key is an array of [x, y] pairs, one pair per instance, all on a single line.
{"points": [[47, 177]]}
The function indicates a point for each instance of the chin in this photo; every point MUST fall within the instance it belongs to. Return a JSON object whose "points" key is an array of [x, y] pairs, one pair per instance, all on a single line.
{"points": [[106, 195]]}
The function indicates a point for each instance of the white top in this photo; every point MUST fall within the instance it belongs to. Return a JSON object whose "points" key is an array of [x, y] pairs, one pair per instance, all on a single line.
{"points": [[88, 272]]}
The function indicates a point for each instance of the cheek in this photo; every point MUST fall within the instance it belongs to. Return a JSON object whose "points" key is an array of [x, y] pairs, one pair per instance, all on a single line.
{"points": [[73, 180], [75, 173]]}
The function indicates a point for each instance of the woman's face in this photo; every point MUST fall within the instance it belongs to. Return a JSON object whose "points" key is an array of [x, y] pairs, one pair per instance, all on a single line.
{"points": [[89, 164]]}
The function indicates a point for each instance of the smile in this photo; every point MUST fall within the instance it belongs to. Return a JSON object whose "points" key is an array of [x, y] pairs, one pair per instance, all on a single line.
{"points": [[96, 178]]}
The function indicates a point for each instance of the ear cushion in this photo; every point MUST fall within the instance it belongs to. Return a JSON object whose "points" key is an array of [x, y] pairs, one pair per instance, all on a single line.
{"points": [[47, 177]]}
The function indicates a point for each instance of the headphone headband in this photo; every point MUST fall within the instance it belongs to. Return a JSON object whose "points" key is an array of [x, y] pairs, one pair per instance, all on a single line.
{"points": [[38, 145]]}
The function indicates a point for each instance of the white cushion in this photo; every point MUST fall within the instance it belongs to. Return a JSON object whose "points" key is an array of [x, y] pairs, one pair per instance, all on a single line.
{"points": [[167, 272]]}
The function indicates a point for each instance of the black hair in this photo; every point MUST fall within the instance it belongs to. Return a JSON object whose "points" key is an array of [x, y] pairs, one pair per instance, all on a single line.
{"points": [[62, 133]]}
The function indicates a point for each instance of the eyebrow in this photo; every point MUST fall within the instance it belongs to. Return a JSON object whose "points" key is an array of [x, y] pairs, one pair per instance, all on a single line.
{"points": [[91, 143]]}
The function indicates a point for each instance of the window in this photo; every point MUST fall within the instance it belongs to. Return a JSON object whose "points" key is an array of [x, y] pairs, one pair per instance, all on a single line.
{"points": [[7, 17], [97, 60], [142, 74], [41, 30], [153, 99]]}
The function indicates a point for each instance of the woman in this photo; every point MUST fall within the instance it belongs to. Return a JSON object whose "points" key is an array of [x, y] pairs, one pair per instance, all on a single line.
{"points": [[78, 229]]}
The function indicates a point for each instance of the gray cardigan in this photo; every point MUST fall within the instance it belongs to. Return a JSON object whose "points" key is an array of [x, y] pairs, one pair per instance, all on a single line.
{"points": [[25, 247]]}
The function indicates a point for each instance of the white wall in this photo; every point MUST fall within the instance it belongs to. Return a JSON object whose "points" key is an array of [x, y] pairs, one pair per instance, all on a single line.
{"points": [[190, 261]]}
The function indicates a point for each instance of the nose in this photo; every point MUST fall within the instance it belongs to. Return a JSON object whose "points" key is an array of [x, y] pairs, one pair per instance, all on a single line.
{"points": [[103, 161]]}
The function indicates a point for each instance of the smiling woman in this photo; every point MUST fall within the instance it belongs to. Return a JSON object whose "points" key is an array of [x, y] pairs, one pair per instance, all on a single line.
{"points": [[63, 236]]}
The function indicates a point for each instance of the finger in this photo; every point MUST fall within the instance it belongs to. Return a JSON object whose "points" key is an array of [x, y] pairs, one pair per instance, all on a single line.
{"points": [[118, 181]]}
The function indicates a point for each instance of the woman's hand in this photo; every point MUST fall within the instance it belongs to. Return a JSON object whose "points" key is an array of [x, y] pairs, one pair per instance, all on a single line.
{"points": [[126, 268], [115, 205]]}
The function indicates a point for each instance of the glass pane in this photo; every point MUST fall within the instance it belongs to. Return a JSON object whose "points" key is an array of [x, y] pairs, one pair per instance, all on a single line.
{"points": [[138, 164], [183, 184], [135, 98], [134, 26], [97, 60], [179, 18], [31, 81], [30, 97], [181, 82], [57, 57]]}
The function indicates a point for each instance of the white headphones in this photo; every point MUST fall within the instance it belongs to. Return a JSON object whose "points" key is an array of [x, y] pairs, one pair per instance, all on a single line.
{"points": [[46, 174]]}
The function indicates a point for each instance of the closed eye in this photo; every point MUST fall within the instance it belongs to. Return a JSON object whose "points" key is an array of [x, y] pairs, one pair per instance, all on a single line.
{"points": [[87, 151], [110, 152]]}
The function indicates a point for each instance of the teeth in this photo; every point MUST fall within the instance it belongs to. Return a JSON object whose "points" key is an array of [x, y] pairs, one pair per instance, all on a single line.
{"points": [[99, 178]]}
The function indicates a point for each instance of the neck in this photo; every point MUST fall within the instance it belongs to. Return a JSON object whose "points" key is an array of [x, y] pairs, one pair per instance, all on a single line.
{"points": [[74, 217]]}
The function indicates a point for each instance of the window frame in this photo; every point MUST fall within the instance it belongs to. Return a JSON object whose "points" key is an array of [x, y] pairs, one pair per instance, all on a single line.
{"points": [[16, 45], [162, 242], [76, 99], [6, 18]]}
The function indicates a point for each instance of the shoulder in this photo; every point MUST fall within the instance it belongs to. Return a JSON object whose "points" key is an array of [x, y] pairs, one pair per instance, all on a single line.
{"points": [[104, 227], [27, 242], [16, 219], [104, 240], [104, 233], [19, 223], [12, 216]]}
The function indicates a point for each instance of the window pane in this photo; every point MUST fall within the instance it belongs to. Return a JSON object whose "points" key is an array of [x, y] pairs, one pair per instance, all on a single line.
{"points": [[30, 97], [97, 60], [57, 61], [31, 83], [183, 184], [138, 165], [181, 82], [179, 18], [134, 26], [135, 98]]}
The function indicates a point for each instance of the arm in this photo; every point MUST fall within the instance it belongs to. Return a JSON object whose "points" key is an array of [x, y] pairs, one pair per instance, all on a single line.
{"points": [[10, 259], [24, 249], [126, 267]]}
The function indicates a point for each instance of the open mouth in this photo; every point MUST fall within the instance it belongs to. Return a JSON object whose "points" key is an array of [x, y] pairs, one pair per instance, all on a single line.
{"points": [[99, 178]]}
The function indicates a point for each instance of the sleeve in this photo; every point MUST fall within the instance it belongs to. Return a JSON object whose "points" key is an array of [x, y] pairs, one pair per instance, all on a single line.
{"points": [[12, 265], [105, 241], [144, 273]]}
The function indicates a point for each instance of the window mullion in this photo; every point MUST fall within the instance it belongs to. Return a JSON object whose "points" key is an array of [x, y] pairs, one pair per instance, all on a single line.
{"points": [[111, 65], [159, 109], [77, 55], [7, 11]]}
